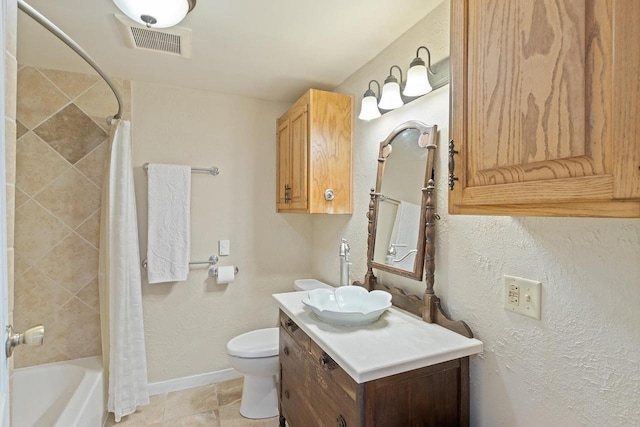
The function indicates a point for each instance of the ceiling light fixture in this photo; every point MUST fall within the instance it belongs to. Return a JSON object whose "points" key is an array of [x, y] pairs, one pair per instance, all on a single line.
{"points": [[369, 109], [154, 13], [422, 78]]}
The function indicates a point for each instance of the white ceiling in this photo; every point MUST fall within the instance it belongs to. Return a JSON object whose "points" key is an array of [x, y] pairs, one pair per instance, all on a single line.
{"points": [[273, 49]]}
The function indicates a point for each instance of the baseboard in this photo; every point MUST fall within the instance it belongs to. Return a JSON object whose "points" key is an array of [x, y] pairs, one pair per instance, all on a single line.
{"points": [[184, 383]]}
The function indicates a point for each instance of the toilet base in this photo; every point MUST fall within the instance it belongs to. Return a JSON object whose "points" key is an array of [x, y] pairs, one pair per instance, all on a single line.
{"points": [[259, 397]]}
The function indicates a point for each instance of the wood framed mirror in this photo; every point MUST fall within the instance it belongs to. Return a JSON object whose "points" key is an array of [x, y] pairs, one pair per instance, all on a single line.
{"points": [[405, 165], [413, 146]]}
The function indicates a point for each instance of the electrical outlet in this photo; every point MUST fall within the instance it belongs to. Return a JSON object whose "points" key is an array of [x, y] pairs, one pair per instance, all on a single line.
{"points": [[522, 296], [224, 247]]}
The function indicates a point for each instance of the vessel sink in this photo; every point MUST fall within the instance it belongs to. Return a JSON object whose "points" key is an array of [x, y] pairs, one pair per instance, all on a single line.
{"points": [[347, 305]]}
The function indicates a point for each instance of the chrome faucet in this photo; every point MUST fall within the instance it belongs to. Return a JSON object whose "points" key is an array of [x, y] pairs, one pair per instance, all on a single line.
{"points": [[344, 262]]}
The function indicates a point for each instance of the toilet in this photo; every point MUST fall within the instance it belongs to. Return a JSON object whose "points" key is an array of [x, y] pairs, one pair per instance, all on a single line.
{"points": [[255, 354]]}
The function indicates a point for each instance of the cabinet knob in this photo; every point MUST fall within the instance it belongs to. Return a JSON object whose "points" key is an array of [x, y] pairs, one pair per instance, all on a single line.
{"points": [[285, 351], [327, 362], [329, 195], [286, 394], [287, 195], [291, 325], [340, 421]]}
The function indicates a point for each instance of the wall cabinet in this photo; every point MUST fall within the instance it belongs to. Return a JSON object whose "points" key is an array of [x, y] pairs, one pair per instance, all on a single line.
{"points": [[316, 391], [545, 112], [314, 155]]}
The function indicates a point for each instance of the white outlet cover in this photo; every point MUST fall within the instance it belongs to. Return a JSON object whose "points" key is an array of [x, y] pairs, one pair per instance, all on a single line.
{"points": [[529, 296]]}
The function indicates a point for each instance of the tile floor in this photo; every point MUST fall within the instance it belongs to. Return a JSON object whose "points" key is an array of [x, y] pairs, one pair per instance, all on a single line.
{"points": [[215, 405]]}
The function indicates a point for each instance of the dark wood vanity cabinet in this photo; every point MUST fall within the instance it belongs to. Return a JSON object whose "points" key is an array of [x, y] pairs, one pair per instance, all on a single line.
{"points": [[316, 391]]}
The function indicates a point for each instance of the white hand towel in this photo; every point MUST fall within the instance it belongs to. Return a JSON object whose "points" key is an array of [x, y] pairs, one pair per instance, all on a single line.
{"points": [[169, 239]]}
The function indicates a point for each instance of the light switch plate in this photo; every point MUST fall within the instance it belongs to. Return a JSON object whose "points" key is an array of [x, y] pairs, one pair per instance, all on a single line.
{"points": [[522, 296], [223, 247]]}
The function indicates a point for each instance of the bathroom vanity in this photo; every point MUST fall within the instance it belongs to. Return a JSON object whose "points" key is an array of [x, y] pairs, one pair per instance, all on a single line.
{"points": [[397, 371]]}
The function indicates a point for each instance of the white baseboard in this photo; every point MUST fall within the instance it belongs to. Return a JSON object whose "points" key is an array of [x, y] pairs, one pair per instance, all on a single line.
{"points": [[184, 383]]}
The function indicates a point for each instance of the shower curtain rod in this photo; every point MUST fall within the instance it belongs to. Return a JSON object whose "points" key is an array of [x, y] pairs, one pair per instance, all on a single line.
{"points": [[38, 17]]}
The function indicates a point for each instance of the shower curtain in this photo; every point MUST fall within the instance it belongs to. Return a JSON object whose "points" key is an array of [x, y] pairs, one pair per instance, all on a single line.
{"points": [[120, 286]]}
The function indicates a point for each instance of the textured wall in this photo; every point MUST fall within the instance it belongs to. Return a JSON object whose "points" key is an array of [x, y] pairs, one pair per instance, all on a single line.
{"points": [[579, 365], [188, 324], [62, 141]]}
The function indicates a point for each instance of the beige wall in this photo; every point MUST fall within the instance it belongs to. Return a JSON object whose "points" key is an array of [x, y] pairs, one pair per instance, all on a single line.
{"points": [[579, 365], [188, 324], [62, 142]]}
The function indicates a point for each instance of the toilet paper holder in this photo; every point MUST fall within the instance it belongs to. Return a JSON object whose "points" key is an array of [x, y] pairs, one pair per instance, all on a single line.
{"points": [[213, 271]]}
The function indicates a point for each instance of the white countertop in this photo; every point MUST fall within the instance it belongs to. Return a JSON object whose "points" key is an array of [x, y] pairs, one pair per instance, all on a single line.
{"points": [[397, 342]]}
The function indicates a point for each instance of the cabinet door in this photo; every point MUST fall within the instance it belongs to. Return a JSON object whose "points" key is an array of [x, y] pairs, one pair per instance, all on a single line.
{"points": [[299, 158], [283, 166], [532, 107]]}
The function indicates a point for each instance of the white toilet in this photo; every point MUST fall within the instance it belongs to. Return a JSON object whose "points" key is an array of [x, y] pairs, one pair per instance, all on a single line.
{"points": [[255, 354]]}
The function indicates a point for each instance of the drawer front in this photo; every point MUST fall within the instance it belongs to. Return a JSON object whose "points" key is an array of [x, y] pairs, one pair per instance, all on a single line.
{"points": [[332, 371], [294, 331], [308, 396]]}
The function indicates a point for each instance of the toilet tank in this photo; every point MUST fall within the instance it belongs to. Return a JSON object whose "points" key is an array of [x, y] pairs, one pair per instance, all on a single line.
{"points": [[309, 285]]}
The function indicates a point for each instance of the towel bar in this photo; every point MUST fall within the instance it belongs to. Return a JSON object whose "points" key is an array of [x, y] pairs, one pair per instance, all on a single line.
{"points": [[212, 170], [212, 260]]}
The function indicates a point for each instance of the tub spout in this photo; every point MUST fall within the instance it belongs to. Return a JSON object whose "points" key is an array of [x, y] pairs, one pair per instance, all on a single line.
{"points": [[31, 337]]}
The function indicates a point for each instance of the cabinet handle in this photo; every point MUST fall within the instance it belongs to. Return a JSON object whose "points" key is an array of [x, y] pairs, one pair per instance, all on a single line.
{"points": [[285, 351], [286, 394], [287, 195], [452, 165], [291, 325], [340, 421], [327, 362]]}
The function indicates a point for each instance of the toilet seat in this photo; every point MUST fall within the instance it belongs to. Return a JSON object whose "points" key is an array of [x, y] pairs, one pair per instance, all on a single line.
{"points": [[254, 344]]}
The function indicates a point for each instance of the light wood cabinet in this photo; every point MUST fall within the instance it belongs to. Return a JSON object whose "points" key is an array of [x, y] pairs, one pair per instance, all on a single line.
{"points": [[316, 391], [545, 112], [314, 155]]}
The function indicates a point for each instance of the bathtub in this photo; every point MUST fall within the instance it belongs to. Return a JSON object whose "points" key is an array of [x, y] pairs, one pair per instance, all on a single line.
{"points": [[64, 394]]}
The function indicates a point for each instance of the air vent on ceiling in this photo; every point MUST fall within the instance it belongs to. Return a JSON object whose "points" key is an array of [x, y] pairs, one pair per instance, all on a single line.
{"points": [[174, 40]]}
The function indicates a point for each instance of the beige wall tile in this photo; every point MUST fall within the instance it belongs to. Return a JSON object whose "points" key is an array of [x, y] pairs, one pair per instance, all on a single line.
{"points": [[90, 296], [72, 84], [72, 198], [76, 326], [72, 263], [93, 346], [92, 165], [99, 102], [21, 198], [21, 266], [37, 164], [11, 214], [38, 299], [37, 232], [71, 133], [192, 401], [90, 230], [10, 88], [20, 129], [11, 27], [37, 97], [10, 150], [47, 353], [10, 278]]}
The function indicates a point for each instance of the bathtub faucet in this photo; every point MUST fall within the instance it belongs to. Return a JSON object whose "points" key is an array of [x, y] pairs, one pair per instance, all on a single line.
{"points": [[32, 337]]}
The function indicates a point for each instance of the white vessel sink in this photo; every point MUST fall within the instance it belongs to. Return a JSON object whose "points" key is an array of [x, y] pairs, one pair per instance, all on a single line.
{"points": [[347, 305]]}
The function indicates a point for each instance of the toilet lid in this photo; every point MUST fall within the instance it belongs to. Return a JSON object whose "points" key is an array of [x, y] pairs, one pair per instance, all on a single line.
{"points": [[254, 344]]}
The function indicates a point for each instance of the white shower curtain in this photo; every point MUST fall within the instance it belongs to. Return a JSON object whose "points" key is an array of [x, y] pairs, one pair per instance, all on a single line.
{"points": [[120, 286]]}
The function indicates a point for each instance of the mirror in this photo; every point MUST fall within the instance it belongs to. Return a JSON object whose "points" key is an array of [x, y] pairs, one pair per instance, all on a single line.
{"points": [[405, 164]]}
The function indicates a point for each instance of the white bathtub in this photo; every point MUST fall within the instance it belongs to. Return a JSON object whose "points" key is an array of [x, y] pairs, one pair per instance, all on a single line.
{"points": [[64, 394]]}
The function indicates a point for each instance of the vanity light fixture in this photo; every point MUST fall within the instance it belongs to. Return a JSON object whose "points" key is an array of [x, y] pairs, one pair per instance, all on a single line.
{"points": [[422, 78], [369, 108], [417, 78], [154, 13], [390, 98]]}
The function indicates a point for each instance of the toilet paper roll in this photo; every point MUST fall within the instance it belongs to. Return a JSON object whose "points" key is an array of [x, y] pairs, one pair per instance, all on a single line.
{"points": [[226, 274]]}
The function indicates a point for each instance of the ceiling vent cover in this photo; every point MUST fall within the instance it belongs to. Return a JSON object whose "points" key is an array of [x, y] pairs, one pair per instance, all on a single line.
{"points": [[174, 40]]}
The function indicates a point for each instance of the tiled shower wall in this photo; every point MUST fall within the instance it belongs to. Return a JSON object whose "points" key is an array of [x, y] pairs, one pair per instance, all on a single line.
{"points": [[60, 152]]}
